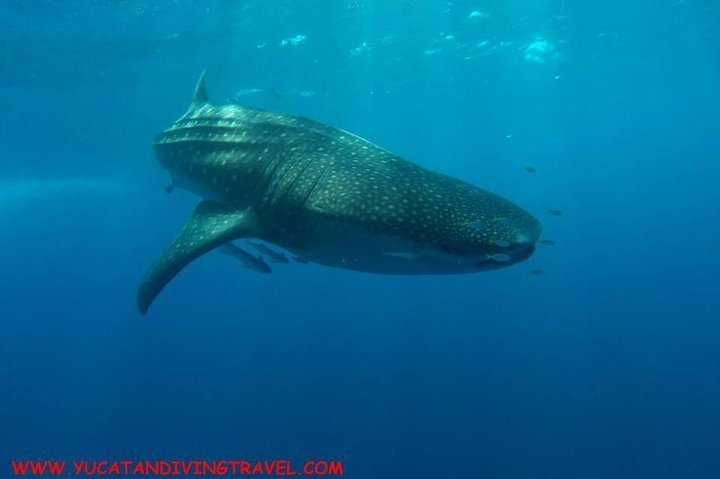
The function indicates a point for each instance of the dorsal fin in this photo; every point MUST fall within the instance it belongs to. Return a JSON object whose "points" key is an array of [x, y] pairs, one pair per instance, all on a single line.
{"points": [[200, 97]]}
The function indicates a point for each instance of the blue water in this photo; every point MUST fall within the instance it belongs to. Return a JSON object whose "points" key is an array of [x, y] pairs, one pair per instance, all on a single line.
{"points": [[606, 366]]}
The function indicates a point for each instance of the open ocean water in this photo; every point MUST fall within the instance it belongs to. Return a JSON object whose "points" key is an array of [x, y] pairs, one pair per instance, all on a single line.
{"points": [[605, 366]]}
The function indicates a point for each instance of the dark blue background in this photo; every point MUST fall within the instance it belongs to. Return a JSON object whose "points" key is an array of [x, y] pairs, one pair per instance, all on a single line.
{"points": [[607, 366]]}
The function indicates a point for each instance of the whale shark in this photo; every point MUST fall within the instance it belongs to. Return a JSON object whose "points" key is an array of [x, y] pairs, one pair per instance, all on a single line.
{"points": [[325, 195]]}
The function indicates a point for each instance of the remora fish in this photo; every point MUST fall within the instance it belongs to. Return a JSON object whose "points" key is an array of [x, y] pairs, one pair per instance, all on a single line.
{"points": [[255, 263], [275, 256], [326, 195]]}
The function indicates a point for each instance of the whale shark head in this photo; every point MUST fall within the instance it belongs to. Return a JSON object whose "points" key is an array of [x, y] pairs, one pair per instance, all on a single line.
{"points": [[497, 234], [511, 241], [508, 235]]}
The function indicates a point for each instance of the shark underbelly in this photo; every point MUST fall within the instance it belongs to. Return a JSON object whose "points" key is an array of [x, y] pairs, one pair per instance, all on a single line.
{"points": [[361, 250]]}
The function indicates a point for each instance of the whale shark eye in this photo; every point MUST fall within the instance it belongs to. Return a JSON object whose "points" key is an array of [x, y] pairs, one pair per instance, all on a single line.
{"points": [[502, 243], [522, 238]]}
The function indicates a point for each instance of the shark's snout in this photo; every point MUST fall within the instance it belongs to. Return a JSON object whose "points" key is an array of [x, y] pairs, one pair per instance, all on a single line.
{"points": [[516, 242], [525, 238], [528, 233]]}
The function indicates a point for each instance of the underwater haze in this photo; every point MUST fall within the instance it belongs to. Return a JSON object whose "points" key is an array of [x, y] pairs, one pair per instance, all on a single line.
{"points": [[597, 357]]}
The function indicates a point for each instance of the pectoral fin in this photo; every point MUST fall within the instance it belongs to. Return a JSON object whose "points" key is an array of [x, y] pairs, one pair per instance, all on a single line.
{"points": [[210, 226]]}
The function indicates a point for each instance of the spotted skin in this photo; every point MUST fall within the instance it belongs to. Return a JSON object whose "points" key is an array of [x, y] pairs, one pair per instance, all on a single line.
{"points": [[336, 199]]}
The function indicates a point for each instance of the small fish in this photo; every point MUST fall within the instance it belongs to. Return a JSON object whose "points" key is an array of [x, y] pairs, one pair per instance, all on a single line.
{"points": [[169, 188], [547, 242], [536, 272], [275, 256], [554, 212], [529, 169], [498, 257], [255, 263], [247, 92]]}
